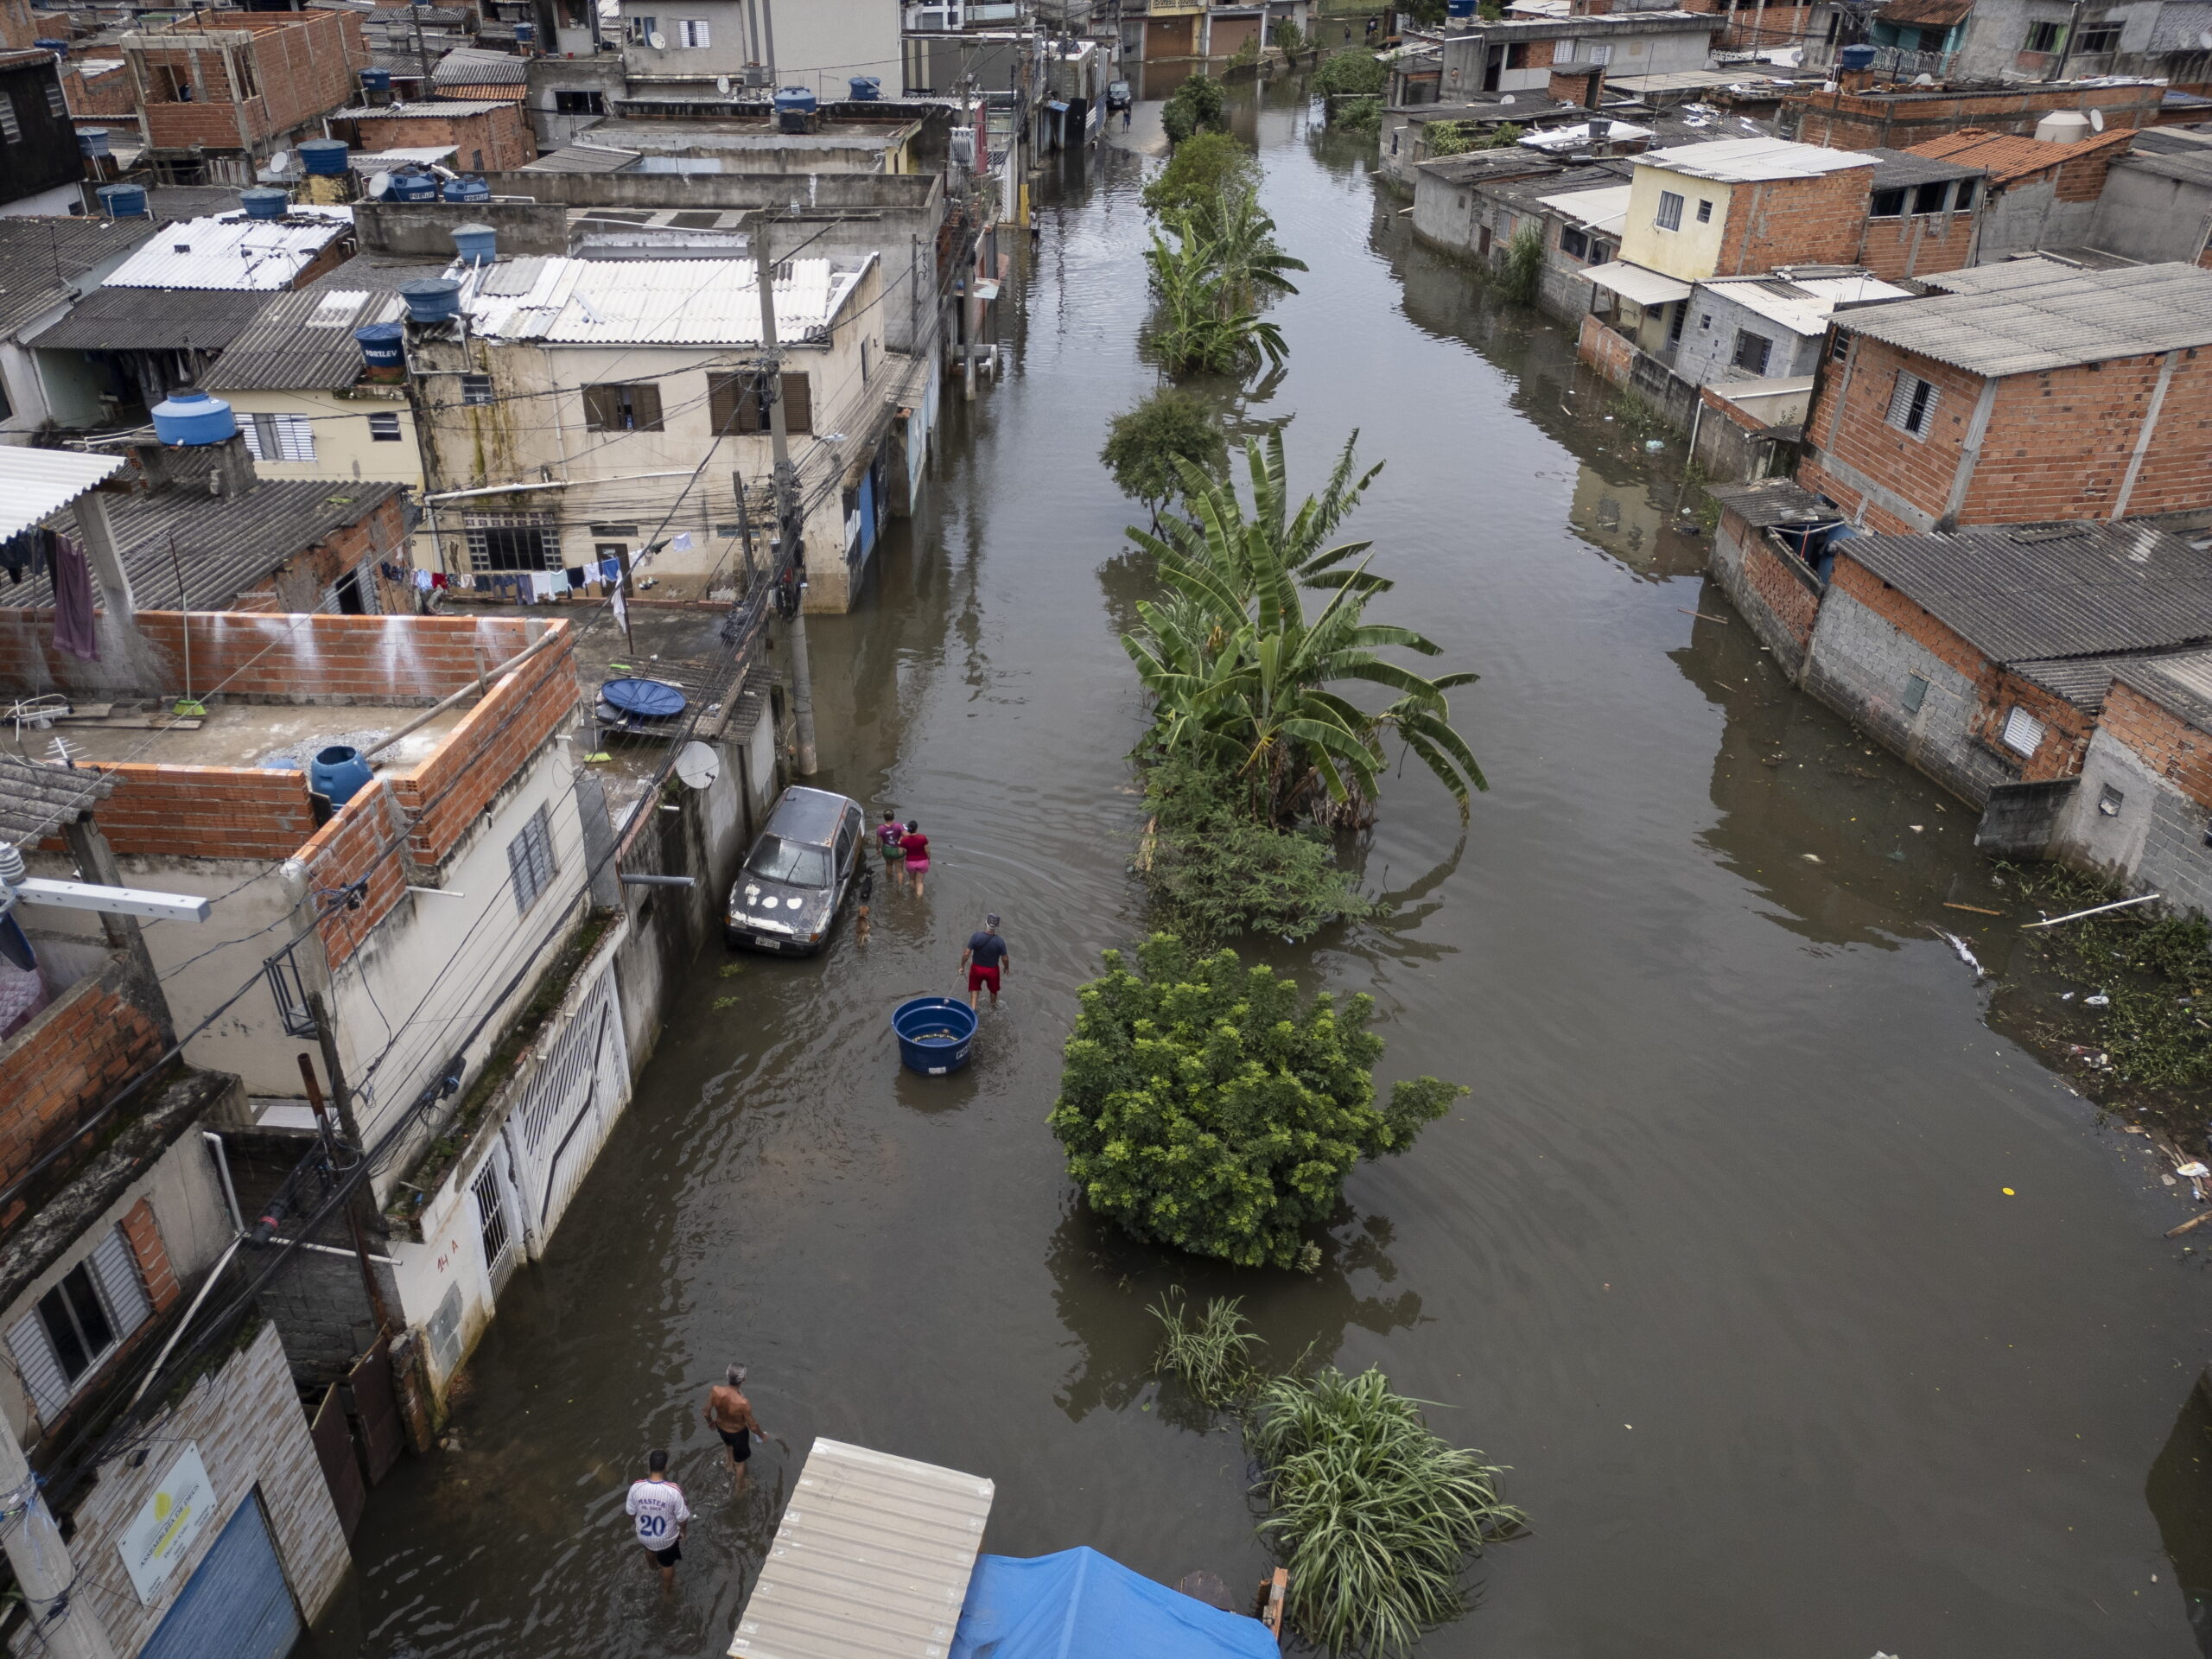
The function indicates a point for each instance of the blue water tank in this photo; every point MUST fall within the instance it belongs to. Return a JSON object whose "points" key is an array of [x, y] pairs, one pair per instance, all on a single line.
{"points": [[264, 204], [376, 80], [867, 89], [59, 49], [470, 188], [437, 300], [324, 157], [477, 244], [1858, 57], [124, 200], [795, 108], [92, 142], [413, 187], [383, 345], [337, 773], [188, 416], [524, 32], [1460, 10]]}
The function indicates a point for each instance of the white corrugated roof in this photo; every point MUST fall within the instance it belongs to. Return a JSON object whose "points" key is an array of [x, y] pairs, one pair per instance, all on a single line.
{"points": [[1635, 283], [1604, 211], [232, 251], [872, 1557], [1749, 161], [648, 302], [1575, 137], [1805, 311], [36, 482]]}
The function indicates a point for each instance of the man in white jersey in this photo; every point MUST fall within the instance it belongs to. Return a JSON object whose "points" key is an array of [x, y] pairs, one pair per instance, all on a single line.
{"points": [[657, 1506]]}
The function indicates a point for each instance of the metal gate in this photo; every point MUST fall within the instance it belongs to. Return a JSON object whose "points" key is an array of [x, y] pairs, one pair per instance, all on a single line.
{"points": [[571, 1099], [236, 1605]]}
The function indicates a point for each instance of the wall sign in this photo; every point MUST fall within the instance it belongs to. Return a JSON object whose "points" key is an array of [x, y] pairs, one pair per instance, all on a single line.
{"points": [[160, 1537]]}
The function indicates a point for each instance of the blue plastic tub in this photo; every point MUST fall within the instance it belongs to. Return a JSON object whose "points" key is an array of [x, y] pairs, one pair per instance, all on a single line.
{"points": [[935, 1033]]}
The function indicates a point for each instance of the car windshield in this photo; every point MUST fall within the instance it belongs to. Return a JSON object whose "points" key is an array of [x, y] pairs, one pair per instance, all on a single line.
{"points": [[792, 862]]}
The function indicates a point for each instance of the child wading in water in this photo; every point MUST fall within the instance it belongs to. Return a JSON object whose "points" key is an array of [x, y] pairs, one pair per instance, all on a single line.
{"points": [[895, 856]]}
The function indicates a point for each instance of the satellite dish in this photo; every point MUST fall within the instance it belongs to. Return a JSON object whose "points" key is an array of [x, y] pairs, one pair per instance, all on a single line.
{"points": [[697, 764], [657, 41], [721, 85], [280, 161], [2096, 120], [378, 183]]}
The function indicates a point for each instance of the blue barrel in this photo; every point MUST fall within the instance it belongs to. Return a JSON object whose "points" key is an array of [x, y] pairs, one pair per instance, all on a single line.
{"points": [[383, 345], [124, 200], [324, 157], [867, 89], [1858, 57], [264, 204], [795, 108], [92, 142], [477, 244], [525, 33], [414, 187], [471, 189], [188, 416], [337, 773], [376, 80], [59, 49], [435, 300], [935, 1033]]}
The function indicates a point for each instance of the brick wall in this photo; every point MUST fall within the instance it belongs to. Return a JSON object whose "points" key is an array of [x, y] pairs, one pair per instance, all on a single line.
{"points": [[1848, 120], [1848, 426], [2166, 744], [67, 1062], [303, 68], [501, 136], [1612, 353], [1781, 603], [1817, 221], [2058, 443], [364, 842], [164, 812], [145, 1234], [1919, 244], [2177, 472]]}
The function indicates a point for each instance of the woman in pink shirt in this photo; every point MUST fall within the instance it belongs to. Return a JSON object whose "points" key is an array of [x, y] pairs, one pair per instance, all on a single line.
{"points": [[916, 846]]}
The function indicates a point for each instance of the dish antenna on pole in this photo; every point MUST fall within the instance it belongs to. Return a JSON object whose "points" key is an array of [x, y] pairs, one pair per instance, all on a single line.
{"points": [[721, 85], [697, 764]]}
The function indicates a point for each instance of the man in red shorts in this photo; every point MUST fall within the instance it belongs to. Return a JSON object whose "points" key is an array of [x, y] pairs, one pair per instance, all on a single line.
{"points": [[985, 959]]}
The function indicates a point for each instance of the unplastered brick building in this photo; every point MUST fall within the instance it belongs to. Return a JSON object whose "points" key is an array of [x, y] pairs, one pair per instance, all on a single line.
{"points": [[220, 93], [1859, 111], [2025, 392]]}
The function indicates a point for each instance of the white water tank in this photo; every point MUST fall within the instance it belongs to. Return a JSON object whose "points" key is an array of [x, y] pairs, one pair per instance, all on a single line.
{"points": [[2063, 127]]}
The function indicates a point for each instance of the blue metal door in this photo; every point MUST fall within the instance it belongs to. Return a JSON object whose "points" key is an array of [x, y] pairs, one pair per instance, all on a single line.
{"points": [[236, 1605]]}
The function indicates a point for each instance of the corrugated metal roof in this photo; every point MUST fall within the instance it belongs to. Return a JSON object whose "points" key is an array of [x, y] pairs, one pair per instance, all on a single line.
{"points": [[36, 482], [481, 68], [422, 108], [2023, 591], [304, 341], [1573, 137], [1803, 304], [582, 158], [234, 252], [1974, 279], [1771, 502], [2031, 314], [2182, 684], [871, 1560], [33, 799], [2082, 681], [2188, 167], [225, 543], [1634, 282], [1901, 169], [43, 260], [650, 301], [1602, 209], [153, 320], [392, 160], [1752, 161]]}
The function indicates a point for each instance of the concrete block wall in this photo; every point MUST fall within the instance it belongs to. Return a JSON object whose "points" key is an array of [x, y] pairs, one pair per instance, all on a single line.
{"points": [[2176, 863]]}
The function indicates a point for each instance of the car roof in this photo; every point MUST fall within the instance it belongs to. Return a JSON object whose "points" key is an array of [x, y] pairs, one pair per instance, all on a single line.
{"points": [[808, 815]]}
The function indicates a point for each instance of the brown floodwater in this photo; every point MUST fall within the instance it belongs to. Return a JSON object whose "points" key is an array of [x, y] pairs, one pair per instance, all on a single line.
{"points": [[1717, 1254]]}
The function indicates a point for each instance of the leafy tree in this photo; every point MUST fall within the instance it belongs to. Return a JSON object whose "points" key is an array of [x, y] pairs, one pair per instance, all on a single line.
{"points": [[1238, 239], [1143, 446], [1289, 38], [1244, 681], [1204, 169], [1198, 327], [1352, 70], [1361, 114], [1199, 105], [1203, 1106]]}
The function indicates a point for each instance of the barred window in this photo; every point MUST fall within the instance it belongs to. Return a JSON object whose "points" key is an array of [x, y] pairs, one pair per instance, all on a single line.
{"points": [[513, 541], [530, 860], [475, 388], [279, 437], [1912, 405]]}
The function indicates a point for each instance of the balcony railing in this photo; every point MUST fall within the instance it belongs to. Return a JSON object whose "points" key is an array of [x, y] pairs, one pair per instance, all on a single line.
{"points": [[953, 15]]}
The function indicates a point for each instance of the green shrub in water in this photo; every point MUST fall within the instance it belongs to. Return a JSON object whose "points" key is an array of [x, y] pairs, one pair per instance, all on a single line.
{"points": [[1211, 1352]]}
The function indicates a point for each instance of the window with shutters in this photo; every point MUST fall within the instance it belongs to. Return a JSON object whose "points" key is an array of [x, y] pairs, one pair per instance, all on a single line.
{"points": [[1912, 405], [72, 1330], [691, 32], [1915, 693], [623, 406], [56, 106], [2022, 731], [530, 860], [1670, 212], [1752, 352], [279, 437], [10, 129], [384, 429], [733, 403]]}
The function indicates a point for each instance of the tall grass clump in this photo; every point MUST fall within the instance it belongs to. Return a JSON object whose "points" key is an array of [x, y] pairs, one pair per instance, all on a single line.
{"points": [[1211, 1352], [1375, 1517]]}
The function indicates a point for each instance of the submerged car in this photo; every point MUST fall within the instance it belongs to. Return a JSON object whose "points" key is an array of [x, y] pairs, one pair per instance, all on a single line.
{"points": [[796, 878]]}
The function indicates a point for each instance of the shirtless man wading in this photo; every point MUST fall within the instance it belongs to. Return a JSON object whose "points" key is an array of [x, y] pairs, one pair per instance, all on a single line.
{"points": [[729, 1414]]}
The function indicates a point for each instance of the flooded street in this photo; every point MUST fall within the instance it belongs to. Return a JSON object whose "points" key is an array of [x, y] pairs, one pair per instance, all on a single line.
{"points": [[1718, 1255]]}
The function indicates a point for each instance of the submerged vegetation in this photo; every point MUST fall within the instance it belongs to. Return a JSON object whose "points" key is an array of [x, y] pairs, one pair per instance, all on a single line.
{"points": [[1206, 1105], [1200, 104], [1145, 445], [1374, 1514]]}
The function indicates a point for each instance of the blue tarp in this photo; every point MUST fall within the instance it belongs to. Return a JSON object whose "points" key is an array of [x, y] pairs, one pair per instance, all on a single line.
{"points": [[1080, 1604]]}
